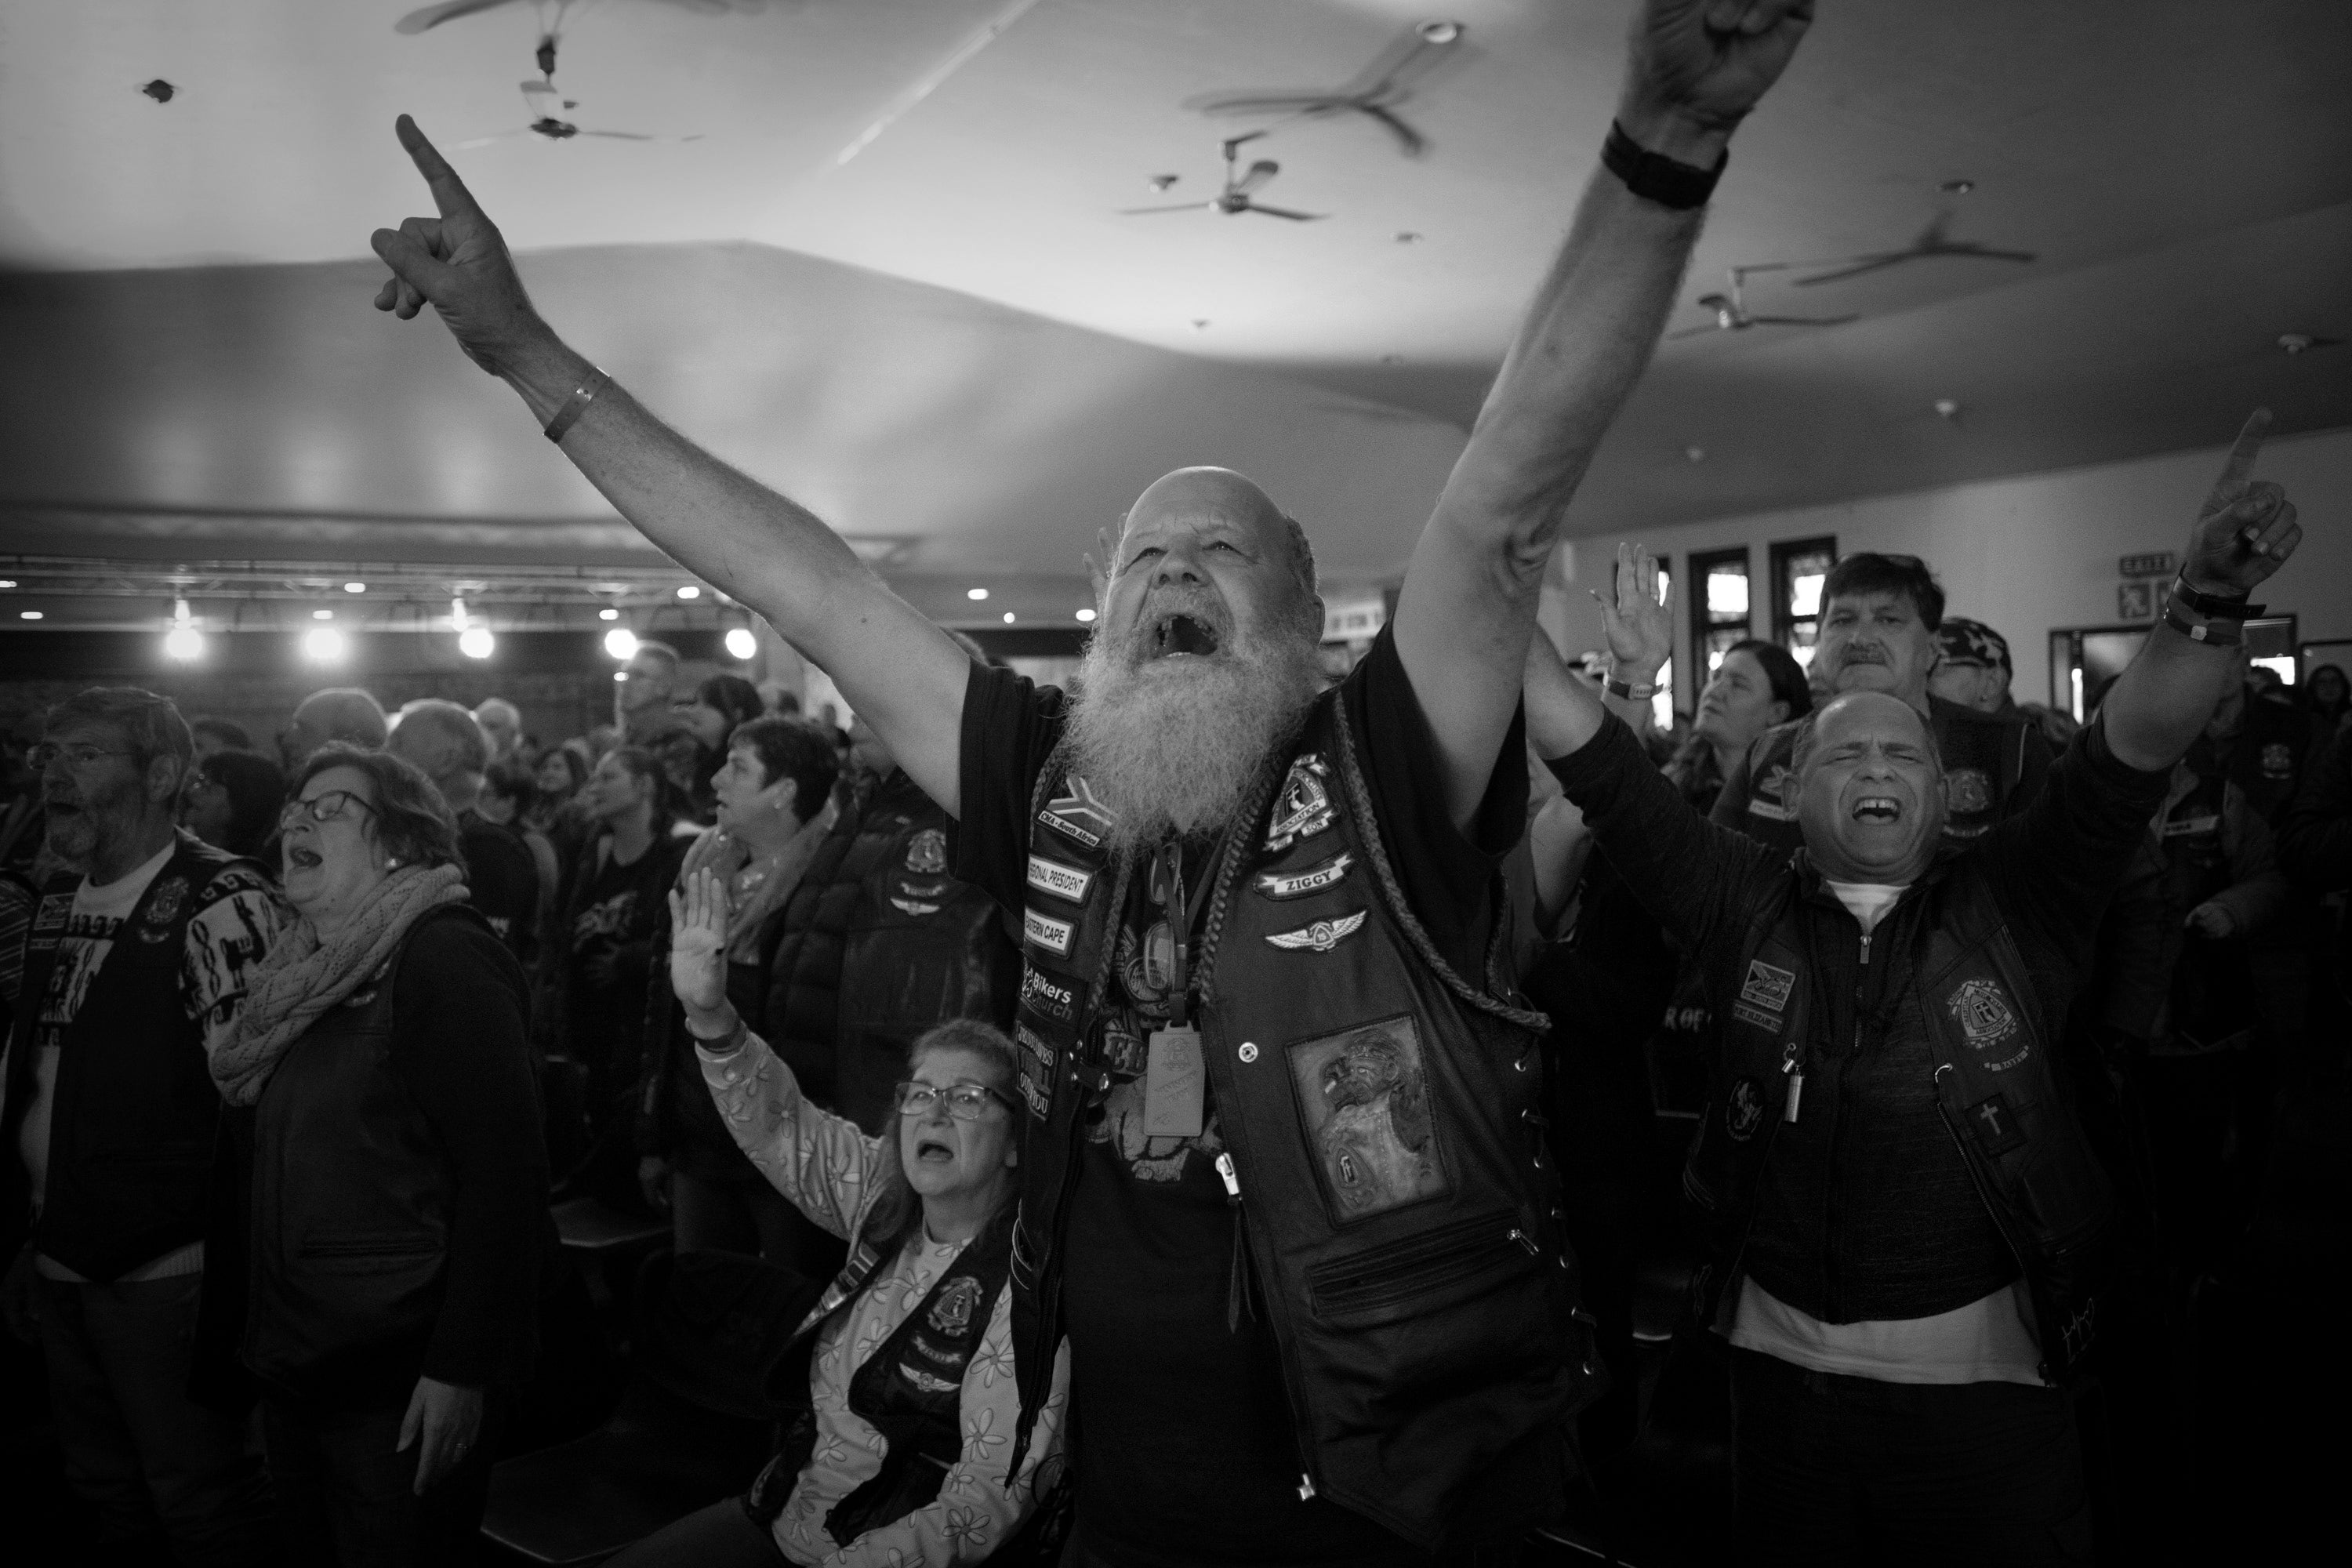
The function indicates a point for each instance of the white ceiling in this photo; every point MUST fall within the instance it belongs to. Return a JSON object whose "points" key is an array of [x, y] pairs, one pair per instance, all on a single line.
{"points": [[2183, 169]]}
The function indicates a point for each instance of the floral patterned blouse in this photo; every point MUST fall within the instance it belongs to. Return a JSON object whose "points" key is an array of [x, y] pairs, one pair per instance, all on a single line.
{"points": [[830, 1170]]}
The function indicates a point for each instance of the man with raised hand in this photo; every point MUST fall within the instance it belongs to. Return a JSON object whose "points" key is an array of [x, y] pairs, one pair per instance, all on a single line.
{"points": [[1283, 1178], [1907, 1218]]}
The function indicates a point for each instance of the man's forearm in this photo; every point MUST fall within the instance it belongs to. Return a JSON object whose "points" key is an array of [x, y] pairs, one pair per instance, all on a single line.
{"points": [[2158, 704]]}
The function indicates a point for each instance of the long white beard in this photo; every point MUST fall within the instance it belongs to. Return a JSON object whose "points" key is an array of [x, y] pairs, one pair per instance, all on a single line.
{"points": [[1172, 745]]}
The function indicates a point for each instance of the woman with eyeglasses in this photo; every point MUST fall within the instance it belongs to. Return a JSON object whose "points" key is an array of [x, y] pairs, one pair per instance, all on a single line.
{"points": [[901, 1455], [398, 1177]]}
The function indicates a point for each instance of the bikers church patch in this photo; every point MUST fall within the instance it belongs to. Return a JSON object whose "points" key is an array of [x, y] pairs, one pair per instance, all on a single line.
{"points": [[1985, 1017], [1743, 1109], [1764, 994]]}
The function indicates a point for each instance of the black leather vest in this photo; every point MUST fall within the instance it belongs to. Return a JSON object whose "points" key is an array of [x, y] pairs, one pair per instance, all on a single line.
{"points": [[1984, 761], [1994, 1086], [1383, 1140], [919, 947], [132, 1128], [352, 1199]]}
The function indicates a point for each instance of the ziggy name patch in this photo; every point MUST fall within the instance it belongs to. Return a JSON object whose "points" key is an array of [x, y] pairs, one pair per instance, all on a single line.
{"points": [[1314, 879]]}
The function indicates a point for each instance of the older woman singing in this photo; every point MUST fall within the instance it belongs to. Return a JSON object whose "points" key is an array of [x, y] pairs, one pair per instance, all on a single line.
{"points": [[399, 1183], [904, 1367]]}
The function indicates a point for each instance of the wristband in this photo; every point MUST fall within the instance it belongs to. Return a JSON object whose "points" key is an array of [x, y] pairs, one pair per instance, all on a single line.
{"points": [[1616, 687], [2214, 633], [577, 404], [2211, 605], [1655, 178], [720, 1045]]}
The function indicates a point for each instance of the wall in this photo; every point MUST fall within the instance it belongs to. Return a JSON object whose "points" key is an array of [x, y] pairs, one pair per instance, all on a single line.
{"points": [[2024, 555]]}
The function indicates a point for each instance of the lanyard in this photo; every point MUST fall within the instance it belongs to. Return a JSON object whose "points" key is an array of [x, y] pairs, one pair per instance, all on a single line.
{"points": [[1180, 912]]}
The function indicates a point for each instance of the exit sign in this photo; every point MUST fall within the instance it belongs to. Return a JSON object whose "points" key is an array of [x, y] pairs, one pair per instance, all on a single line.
{"points": [[2154, 563]]}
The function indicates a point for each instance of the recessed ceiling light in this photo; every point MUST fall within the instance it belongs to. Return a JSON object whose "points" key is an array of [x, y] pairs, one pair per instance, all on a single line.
{"points": [[28, 615], [975, 595], [1086, 614], [1695, 453], [475, 642], [608, 615], [354, 587], [741, 643], [1946, 408], [1440, 32], [1008, 618], [7, 582], [1956, 187], [322, 615], [690, 590]]}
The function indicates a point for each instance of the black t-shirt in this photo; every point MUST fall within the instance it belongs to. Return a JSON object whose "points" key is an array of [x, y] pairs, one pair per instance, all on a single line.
{"points": [[1184, 1438], [502, 881]]}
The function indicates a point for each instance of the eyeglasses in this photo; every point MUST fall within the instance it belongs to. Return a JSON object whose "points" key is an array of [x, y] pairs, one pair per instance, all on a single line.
{"points": [[966, 1101], [78, 755], [324, 806]]}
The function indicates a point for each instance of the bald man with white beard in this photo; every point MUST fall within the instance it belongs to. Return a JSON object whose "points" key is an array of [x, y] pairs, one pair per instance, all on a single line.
{"points": [[1283, 1187]]}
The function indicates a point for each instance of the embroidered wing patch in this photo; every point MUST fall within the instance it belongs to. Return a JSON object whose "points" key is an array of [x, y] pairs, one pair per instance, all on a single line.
{"points": [[1321, 937]]}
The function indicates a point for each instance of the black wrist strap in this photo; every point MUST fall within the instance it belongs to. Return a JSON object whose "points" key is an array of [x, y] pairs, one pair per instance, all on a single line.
{"points": [[2211, 605], [2214, 633], [1655, 178]]}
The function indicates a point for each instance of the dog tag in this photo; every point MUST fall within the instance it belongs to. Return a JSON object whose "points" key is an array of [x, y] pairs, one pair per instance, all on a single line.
{"points": [[1172, 1084]]}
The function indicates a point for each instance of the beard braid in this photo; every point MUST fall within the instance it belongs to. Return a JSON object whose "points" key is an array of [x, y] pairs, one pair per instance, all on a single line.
{"points": [[1174, 749]]}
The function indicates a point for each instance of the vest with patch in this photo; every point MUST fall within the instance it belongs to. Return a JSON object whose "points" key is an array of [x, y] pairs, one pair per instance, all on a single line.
{"points": [[135, 1114], [2209, 1003], [1984, 763], [1383, 1143], [1994, 1087]]}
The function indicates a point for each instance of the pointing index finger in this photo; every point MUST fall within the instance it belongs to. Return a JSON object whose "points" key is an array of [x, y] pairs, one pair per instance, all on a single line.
{"points": [[449, 191], [2248, 446]]}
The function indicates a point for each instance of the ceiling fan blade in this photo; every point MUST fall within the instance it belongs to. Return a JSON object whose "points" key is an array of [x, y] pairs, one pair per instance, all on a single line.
{"points": [[1866, 264], [1270, 103], [429, 17], [1179, 207], [1799, 320], [1284, 212], [1255, 177], [1410, 141], [1694, 332], [633, 136], [468, 146], [1986, 253], [541, 100]]}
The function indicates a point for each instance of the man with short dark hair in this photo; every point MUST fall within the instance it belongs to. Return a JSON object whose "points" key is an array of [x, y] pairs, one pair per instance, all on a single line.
{"points": [[1879, 620], [213, 734], [337, 713], [134, 974], [1908, 1216], [501, 878], [1972, 666]]}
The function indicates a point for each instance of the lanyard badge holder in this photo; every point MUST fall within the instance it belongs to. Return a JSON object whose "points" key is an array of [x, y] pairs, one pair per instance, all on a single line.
{"points": [[1172, 1072]]}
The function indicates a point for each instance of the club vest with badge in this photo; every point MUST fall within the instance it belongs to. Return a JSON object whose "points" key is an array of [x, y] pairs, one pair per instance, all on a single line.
{"points": [[1395, 1217], [1969, 1027], [1988, 770]]}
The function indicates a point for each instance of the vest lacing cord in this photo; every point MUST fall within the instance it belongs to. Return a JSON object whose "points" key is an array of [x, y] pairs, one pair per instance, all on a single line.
{"points": [[1360, 798]]}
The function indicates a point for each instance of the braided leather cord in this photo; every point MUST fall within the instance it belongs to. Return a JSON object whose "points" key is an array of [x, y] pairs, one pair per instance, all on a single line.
{"points": [[1240, 835], [1362, 799]]}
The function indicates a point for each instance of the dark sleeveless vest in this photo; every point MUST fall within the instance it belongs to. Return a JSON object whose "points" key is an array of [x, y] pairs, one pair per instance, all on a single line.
{"points": [[1984, 763], [1383, 1146], [351, 1198], [131, 1128], [2211, 1004], [918, 948], [1994, 1085]]}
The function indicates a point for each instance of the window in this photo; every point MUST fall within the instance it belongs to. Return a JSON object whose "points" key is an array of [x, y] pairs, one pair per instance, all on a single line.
{"points": [[1719, 612], [1799, 567]]}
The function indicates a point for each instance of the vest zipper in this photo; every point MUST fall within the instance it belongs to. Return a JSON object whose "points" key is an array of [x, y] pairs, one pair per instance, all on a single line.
{"points": [[1237, 1271]]}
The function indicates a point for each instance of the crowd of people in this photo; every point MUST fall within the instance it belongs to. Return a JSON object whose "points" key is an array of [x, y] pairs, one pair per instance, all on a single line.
{"points": [[1194, 1116]]}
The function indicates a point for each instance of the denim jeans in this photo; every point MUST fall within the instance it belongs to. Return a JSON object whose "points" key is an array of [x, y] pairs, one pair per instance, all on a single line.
{"points": [[1834, 1469], [345, 1491], [146, 1457]]}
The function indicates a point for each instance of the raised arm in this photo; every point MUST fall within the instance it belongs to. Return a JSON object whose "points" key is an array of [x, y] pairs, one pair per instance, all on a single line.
{"points": [[2244, 532], [1468, 603], [900, 672]]}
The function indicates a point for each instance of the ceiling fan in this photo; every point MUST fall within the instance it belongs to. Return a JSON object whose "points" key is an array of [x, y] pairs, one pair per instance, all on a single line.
{"points": [[1731, 314], [1934, 241], [547, 106], [1376, 91], [427, 17], [1239, 195]]}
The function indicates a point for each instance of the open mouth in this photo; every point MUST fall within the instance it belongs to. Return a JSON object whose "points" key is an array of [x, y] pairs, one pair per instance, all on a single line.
{"points": [[1877, 808], [303, 859], [1862, 656], [933, 1150], [1177, 636]]}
